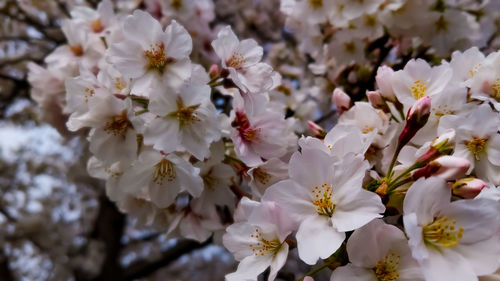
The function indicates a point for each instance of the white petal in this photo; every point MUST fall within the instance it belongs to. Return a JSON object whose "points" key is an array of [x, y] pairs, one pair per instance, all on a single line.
{"points": [[351, 272], [316, 238]]}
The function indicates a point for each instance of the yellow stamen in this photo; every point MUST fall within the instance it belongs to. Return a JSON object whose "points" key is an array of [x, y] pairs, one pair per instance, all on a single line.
{"points": [[316, 4], [185, 114], [476, 146], [418, 89], [386, 269], [157, 59], [322, 199], [261, 175], [176, 4], [264, 246], [118, 125], [442, 232], [163, 169], [236, 61]]}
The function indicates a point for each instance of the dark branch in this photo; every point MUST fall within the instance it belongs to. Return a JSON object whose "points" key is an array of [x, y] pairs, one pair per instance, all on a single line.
{"points": [[145, 268]]}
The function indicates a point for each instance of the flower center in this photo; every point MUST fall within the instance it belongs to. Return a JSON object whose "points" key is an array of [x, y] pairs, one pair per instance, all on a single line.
{"points": [[185, 114], [96, 26], [77, 50], [261, 175], [118, 125], [157, 60], [176, 4], [476, 146], [235, 61], [316, 4], [163, 169], [88, 93], [322, 199], [264, 246], [209, 181], [247, 133], [367, 129], [386, 269], [120, 84], [442, 232], [418, 89], [474, 70], [496, 90], [350, 47]]}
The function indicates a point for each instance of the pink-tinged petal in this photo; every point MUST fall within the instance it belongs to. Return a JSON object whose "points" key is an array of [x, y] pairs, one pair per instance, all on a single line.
{"points": [[478, 218], [142, 28], [251, 52], [352, 215], [493, 149], [142, 86], [250, 267], [425, 198], [225, 44], [316, 238], [292, 198], [447, 265], [278, 262], [128, 58], [177, 73], [371, 243], [163, 134], [237, 240], [414, 232], [484, 256], [178, 42], [311, 168], [351, 272]]}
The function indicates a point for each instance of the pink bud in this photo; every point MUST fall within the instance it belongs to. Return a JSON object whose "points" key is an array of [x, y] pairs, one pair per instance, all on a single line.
{"points": [[377, 101], [213, 71], [341, 100], [308, 278], [417, 117], [445, 167], [317, 130], [384, 82], [442, 145], [468, 187]]}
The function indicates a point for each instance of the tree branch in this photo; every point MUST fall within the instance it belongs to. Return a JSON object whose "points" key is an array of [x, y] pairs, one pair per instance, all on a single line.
{"points": [[145, 268]]}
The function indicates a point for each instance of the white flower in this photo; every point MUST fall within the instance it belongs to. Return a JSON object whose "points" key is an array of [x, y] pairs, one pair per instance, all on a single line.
{"points": [[151, 56], [326, 199], [186, 120], [419, 79], [259, 241], [485, 84], [164, 176], [378, 251], [242, 60], [98, 20], [267, 174], [451, 240], [258, 132], [477, 140]]}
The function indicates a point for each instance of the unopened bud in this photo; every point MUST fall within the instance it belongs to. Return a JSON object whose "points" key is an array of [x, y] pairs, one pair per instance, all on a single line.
{"points": [[377, 101], [316, 130], [213, 71], [442, 145], [445, 167], [417, 117], [384, 82], [341, 100], [468, 188], [308, 278]]}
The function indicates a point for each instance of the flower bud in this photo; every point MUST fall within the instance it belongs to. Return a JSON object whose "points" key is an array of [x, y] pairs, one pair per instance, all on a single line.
{"points": [[308, 278], [317, 130], [445, 167], [468, 188], [377, 101], [384, 82], [417, 117], [213, 71], [341, 100], [442, 145]]}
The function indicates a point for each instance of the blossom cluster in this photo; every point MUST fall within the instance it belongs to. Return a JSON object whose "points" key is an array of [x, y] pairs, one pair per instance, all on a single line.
{"points": [[403, 187]]}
